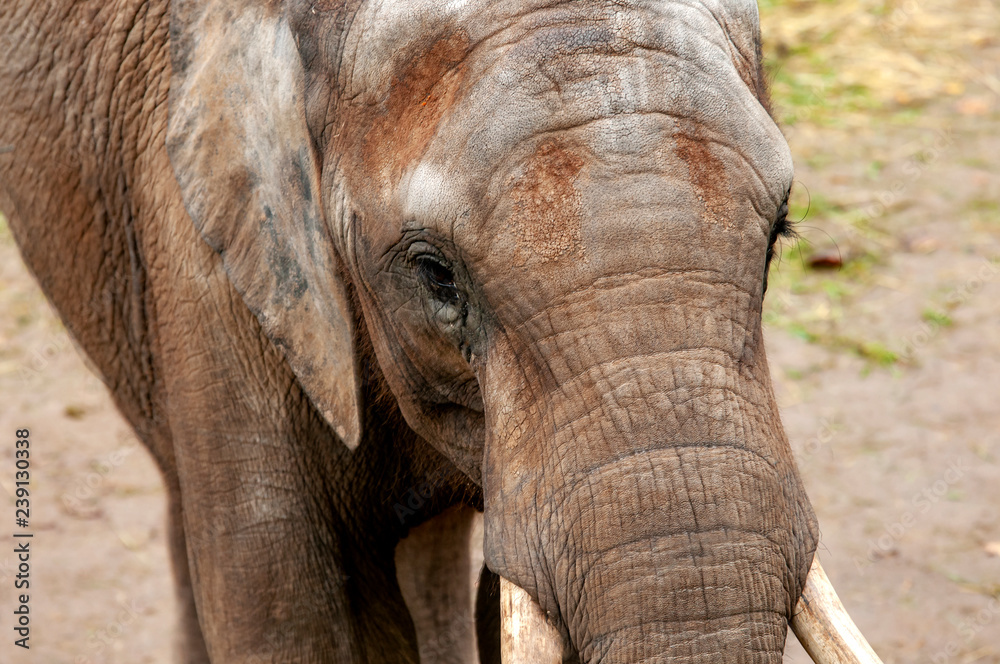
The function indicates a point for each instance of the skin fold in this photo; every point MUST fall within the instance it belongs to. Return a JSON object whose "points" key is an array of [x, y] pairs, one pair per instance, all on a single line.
{"points": [[346, 266]]}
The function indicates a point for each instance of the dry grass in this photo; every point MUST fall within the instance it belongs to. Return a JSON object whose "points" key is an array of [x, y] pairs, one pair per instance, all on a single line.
{"points": [[837, 63], [884, 104]]}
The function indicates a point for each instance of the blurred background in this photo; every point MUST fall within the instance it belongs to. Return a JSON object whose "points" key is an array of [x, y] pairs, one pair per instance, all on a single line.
{"points": [[882, 323]]}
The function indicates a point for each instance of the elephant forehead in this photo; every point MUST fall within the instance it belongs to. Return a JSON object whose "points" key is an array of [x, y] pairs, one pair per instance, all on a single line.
{"points": [[676, 63], [534, 131], [532, 41], [386, 37], [469, 101]]}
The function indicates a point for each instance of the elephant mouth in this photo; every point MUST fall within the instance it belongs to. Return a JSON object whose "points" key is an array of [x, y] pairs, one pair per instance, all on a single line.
{"points": [[819, 620]]}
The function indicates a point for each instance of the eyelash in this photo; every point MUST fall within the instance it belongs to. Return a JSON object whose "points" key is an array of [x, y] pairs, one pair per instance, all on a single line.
{"points": [[782, 226]]}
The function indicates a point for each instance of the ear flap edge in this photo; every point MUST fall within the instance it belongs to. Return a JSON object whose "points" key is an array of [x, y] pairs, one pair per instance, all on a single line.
{"points": [[249, 177]]}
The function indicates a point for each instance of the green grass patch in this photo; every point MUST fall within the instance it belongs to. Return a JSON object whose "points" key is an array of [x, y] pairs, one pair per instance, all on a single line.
{"points": [[836, 290], [983, 205], [877, 353], [799, 331], [936, 317], [906, 116], [795, 374], [874, 169], [976, 162]]}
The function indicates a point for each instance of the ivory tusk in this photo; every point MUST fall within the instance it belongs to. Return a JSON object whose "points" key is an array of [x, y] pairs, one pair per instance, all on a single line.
{"points": [[526, 635], [823, 627], [820, 622]]}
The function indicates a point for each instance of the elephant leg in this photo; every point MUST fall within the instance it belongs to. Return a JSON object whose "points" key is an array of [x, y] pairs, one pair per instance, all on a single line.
{"points": [[259, 472], [438, 567], [265, 559], [263, 545], [189, 643]]}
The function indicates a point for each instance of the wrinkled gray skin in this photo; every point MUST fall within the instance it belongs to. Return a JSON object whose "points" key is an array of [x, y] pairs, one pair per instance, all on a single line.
{"points": [[325, 252]]}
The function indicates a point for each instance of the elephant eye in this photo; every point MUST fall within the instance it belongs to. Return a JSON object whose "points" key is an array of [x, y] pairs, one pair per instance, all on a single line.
{"points": [[438, 279]]}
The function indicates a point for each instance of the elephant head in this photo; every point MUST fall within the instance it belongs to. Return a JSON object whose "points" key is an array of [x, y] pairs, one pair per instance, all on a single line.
{"points": [[552, 222]]}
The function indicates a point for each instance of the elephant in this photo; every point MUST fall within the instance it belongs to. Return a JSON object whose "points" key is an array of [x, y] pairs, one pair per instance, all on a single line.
{"points": [[369, 279]]}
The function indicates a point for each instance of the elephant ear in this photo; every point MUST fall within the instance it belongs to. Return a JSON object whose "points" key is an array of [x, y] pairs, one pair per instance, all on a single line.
{"points": [[249, 177]]}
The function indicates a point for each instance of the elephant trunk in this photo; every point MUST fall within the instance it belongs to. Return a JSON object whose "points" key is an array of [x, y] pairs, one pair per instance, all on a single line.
{"points": [[638, 484], [678, 563], [819, 620], [663, 519]]}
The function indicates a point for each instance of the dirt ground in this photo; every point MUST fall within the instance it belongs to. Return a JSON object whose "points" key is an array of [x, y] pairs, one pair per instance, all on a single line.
{"points": [[886, 361]]}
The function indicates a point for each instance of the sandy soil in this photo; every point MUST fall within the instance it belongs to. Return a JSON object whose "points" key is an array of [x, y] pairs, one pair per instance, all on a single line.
{"points": [[887, 370], [100, 579]]}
